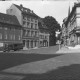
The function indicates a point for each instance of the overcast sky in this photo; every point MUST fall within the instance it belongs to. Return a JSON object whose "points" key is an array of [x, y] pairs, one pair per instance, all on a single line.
{"points": [[58, 9]]}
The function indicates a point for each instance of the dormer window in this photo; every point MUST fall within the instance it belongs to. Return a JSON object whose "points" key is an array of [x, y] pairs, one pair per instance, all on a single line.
{"points": [[21, 7], [26, 10], [10, 10], [31, 11]]}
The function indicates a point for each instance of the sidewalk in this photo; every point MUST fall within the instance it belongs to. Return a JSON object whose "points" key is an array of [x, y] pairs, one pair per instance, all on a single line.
{"points": [[66, 50], [43, 50]]}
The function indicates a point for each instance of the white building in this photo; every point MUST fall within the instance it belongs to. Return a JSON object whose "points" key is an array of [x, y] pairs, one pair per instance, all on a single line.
{"points": [[73, 26], [29, 21]]}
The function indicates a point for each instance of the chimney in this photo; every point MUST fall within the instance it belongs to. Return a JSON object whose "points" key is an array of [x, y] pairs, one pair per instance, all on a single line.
{"points": [[21, 6]]}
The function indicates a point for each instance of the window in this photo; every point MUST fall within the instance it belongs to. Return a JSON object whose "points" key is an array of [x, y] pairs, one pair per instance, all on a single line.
{"points": [[31, 11], [35, 21], [32, 33], [26, 33], [28, 19], [5, 28], [10, 28], [24, 22], [0, 36], [25, 25], [31, 25], [14, 37], [26, 10], [45, 37], [11, 10], [14, 29], [28, 24], [35, 26], [29, 33], [0, 27], [35, 33], [11, 37], [5, 36], [32, 19], [19, 37], [24, 18], [39, 36]]}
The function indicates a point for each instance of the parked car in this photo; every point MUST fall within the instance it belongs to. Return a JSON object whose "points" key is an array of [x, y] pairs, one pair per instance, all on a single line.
{"points": [[14, 47]]}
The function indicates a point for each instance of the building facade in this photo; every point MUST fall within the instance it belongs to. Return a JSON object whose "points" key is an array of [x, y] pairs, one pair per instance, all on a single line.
{"points": [[64, 32], [43, 35], [73, 26], [29, 21], [10, 30]]}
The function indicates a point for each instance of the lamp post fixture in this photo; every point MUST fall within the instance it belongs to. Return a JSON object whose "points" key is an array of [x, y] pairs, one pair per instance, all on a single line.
{"points": [[58, 35]]}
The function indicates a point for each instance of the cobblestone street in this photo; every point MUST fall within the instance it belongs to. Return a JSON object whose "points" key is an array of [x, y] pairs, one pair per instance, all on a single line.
{"points": [[39, 66]]}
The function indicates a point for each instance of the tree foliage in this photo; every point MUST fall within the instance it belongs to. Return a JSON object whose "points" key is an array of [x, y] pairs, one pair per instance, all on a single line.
{"points": [[52, 26]]}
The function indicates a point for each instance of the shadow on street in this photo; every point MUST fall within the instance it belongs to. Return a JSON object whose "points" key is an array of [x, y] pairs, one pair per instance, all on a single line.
{"points": [[71, 72], [8, 60]]}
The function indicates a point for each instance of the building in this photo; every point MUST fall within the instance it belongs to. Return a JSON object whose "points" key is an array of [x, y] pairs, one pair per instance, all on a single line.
{"points": [[10, 30], [43, 35], [73, 26], [64, 32], [29, 21]]}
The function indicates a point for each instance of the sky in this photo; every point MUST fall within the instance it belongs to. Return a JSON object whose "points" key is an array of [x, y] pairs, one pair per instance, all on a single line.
{"points": [[55, 8]]}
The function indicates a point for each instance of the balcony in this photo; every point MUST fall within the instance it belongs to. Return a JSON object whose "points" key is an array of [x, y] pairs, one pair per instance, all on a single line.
{"points": [[77, 30]]}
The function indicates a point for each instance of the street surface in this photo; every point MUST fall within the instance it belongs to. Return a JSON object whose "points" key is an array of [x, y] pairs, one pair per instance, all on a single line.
{"points": [[43, 50], [45, 64]]}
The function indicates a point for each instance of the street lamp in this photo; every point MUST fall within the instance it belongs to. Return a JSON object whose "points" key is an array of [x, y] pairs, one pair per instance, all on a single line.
{"points": [[58, 36]]}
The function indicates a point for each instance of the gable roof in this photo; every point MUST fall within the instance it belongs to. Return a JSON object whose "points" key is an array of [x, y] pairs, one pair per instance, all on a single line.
{"points": [[20, 7], [26, 11], [10, 19]]}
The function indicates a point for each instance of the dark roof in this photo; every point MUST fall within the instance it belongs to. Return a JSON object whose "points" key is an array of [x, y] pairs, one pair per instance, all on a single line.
{"points": [[26, 11], [10, 19], [20, 7]]}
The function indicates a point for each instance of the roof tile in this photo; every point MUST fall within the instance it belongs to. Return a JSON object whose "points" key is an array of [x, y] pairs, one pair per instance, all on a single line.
{"points": [[26, 10], [11, 19]]}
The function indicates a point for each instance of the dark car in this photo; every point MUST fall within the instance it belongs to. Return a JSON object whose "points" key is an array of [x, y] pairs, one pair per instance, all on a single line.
{"points": [[14, 47]]}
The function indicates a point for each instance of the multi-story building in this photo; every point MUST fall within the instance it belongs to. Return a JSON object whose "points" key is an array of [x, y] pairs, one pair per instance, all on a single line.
{"points": [[64, 32], [10, 30], [29, 21], [73, 26], [43, 35]]}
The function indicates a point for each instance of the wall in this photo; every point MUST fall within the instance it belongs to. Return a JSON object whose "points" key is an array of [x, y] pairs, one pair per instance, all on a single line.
{"points": [[10, 31], [13, 10]]}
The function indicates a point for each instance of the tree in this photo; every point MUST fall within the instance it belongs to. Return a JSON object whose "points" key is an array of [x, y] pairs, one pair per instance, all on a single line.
{"points": [[52, 26]]}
